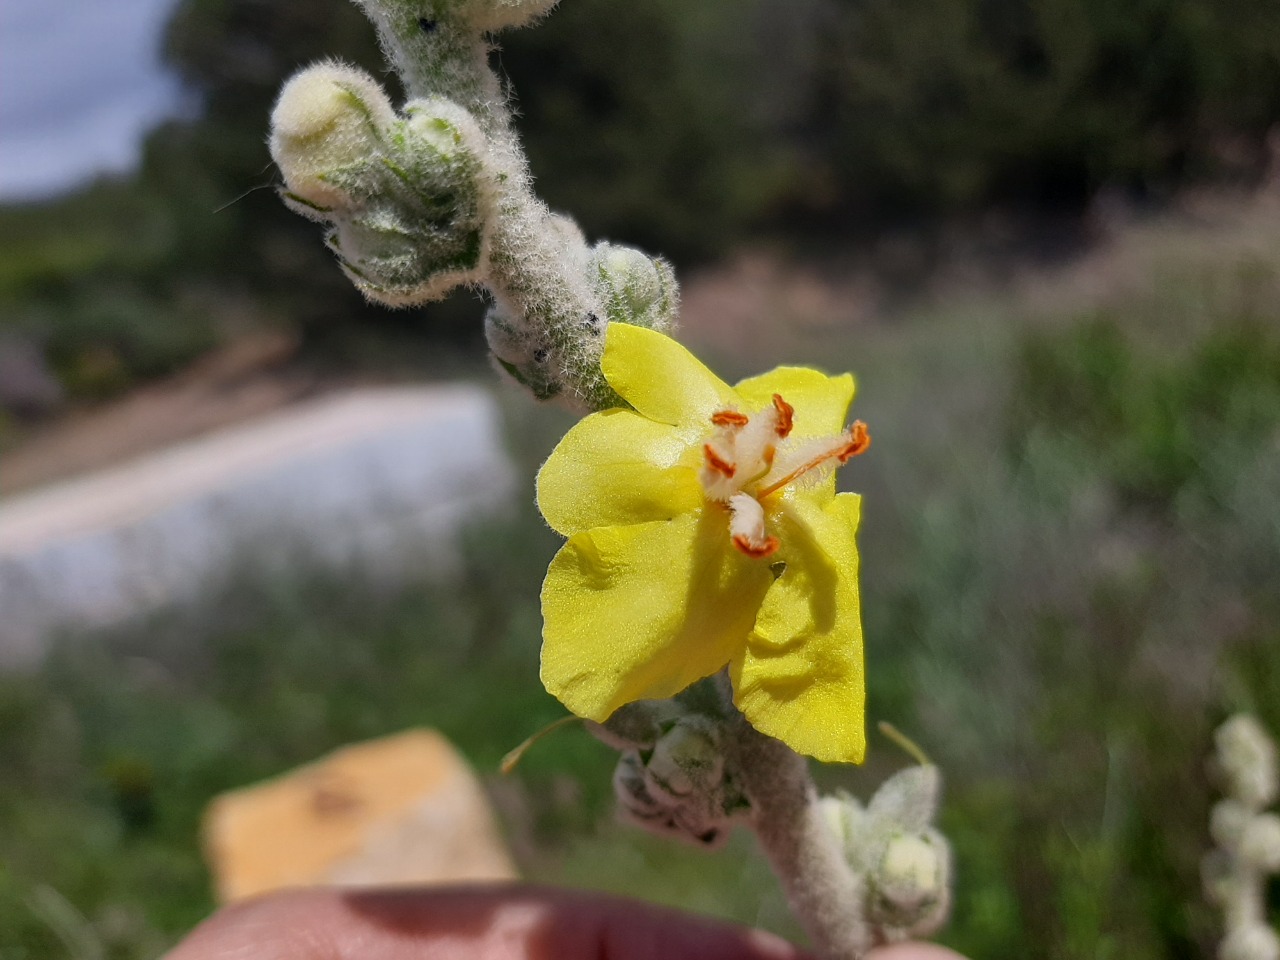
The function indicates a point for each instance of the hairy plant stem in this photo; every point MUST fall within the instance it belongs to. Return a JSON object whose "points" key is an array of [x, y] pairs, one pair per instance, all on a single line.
{"points": [[824, 892], [553, 296], [537, 261]]}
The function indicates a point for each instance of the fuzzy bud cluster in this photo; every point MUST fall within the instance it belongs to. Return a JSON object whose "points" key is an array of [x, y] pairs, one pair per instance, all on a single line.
{"points": [[422, 200], [1247, 838], [679, 784], [405, 197], [893, 844]]}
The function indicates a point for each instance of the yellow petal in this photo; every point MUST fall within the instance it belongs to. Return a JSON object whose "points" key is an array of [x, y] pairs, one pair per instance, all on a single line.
{"points": [[640, 612], [800, 678], [618, 467], [821, 402], [662, 379]]}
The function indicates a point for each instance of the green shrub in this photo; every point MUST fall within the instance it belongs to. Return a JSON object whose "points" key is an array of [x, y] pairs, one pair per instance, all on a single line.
{"points": [[1154, 425]]}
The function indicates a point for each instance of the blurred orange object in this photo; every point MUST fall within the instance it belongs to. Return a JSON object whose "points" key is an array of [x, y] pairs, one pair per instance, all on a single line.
{"points": [[402, 809]]}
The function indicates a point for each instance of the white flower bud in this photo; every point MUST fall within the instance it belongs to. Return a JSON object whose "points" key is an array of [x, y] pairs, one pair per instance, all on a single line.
{"points": [[1260, 842], [910, 884], [327, 118], [911, 872], [1248, 759], [1227, 823], [833, 817], [909, 798], [1253, 941]]}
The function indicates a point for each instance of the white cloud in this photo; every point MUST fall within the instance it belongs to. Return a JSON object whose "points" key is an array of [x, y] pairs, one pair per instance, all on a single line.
{"points": [[80, 83]]}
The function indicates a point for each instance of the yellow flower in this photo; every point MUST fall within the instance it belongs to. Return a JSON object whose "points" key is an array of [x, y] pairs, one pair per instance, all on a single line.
{"points": [[704, 530]]}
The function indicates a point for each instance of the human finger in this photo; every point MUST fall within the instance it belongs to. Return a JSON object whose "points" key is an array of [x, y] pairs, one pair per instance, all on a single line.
{"points": [[913, 951], [469, 923]]}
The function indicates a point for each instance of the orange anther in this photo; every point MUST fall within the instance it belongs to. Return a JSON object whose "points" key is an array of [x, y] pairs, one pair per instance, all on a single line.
{"points": [[729, 418], [786, 415], [756, 550], [859, 442], [718, 463]]}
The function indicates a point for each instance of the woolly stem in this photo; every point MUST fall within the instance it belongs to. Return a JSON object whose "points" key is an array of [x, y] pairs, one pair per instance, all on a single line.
{"points": [[824, 892], [537, 263]]}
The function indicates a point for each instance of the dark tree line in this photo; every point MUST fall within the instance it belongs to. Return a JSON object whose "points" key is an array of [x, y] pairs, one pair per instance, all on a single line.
{"points": [[682, 127]]}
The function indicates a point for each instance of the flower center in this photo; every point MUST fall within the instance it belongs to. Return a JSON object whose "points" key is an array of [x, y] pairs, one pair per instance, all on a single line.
{"points": [[747, 458]]}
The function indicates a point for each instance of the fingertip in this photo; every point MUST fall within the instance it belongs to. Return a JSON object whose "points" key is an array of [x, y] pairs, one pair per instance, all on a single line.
{"points": [[767, 946], [632, 930], [914, 951]]}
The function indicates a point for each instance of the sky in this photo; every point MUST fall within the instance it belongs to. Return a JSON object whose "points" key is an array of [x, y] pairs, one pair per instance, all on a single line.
{"points": [[80, 82]]}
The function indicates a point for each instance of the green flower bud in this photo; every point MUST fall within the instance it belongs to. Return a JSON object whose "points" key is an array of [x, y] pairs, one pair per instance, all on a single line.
{"points": [[635, 288], [680, 788], [687, 759]]}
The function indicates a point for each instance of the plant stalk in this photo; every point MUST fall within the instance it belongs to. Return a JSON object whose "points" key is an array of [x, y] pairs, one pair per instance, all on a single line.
{"points": [[824, 892]]}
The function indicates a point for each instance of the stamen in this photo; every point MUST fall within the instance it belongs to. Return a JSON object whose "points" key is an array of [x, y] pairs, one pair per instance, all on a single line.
{"points": [[729, 418], [755, 445], [786, 415], [757, 551], [853, 442], [746, 527], [859, 440], [718, 463]]}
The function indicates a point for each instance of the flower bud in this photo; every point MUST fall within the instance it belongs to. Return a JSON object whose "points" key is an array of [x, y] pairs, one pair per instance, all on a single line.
{"points": [[1227, 823], [1254, 941], [912, 871], [1248, 760], [910, 884], [843, 815], [909, 798], [1260, 842], [635, 288], [680, 788], [688, 758], [327, 118]]}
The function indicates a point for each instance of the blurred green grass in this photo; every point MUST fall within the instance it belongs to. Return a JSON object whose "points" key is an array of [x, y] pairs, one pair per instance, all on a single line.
{"points": [[1071, 551]]}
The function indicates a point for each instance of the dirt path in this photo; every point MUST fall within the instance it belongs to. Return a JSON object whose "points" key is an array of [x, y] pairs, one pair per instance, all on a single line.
{"points": [[242, 381]]}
